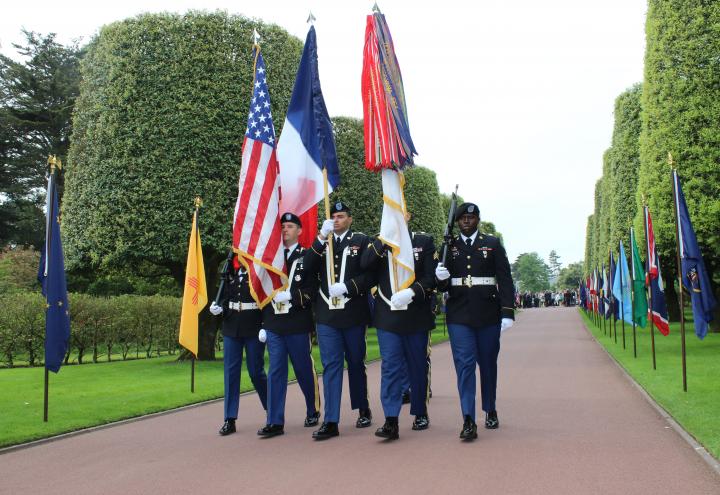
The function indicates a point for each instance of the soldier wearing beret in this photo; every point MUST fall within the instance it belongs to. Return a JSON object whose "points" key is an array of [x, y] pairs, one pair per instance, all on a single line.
{"points": [[342, 314], [287, 324], [240, 326], [403, 319], [479, 307]]}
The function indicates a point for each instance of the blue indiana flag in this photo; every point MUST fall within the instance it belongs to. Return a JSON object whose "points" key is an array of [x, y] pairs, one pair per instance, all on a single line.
{"points": [[621, 286], [51, 276], [694, 276]]}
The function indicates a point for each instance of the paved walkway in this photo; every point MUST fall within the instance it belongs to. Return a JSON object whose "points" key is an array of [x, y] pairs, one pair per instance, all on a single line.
{"points": [[570, 423]]}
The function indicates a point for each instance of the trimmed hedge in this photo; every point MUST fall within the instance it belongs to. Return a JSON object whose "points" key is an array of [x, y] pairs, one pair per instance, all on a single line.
{"points": [[124, 326]]}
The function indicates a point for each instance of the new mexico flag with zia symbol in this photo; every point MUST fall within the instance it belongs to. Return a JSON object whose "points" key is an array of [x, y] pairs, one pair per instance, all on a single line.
{"points": [[195, 295]]}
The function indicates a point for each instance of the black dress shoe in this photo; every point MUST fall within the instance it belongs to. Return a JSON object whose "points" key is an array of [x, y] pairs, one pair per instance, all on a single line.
{"points": [[389, 430], [268, 431], [491, 420], [469, 429], [312, 420], [228, 427], [422, 422], [365, 419], [327, 430], [406, 398]]}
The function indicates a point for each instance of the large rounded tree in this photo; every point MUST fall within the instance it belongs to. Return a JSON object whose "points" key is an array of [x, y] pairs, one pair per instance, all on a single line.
{"points": [[160, 119]]}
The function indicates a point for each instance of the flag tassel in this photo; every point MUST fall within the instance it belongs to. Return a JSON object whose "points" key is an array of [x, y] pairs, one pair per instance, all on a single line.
{"points": [[330, 239]]}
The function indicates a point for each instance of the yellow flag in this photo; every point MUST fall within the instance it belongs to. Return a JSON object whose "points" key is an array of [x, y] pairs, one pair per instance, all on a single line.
{"points": [[195, 295]]}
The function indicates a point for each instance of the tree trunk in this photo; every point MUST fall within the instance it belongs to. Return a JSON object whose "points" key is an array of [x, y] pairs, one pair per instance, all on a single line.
{"points": [[672, 301]]}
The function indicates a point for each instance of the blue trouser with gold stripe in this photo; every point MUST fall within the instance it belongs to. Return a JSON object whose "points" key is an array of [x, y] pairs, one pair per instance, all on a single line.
{"points": [[397, 352], [475, 347], [232, 364], [336, 346], [297, 348]]}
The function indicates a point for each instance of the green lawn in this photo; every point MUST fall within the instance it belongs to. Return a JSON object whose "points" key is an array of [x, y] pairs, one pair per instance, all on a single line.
{"points": [[697, 409], [95, 394]]}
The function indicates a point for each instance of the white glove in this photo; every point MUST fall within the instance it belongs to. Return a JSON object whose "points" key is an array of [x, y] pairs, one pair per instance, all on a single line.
{"points": [[215, 309], [262, 335], [337, 290], [442, 273], [282, 297], [327, 227], [402, 298], [506, 323]]}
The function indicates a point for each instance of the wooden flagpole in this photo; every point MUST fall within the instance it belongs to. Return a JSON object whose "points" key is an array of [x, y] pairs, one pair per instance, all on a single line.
{"points": [[679, 270], [649, 279], [54, 164], [198, 203]]}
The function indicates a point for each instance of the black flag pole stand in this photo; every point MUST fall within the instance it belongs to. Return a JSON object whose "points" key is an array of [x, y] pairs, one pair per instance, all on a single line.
{"points": [[45, 402], [192, 375]]}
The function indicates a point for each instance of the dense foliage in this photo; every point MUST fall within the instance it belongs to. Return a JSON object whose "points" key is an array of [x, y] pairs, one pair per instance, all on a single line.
{"points": [[37, 94], [530, 273], [102, 328], [160, 119]]}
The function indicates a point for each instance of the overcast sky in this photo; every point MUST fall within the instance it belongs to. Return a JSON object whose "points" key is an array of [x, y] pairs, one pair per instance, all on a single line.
{"points": [[511, 99]]}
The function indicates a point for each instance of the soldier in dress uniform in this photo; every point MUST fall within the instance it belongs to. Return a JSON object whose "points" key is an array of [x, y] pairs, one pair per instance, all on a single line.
{"points": [[287, 325], [240, 326], [403, 321], [480, 305], [342, 314]]}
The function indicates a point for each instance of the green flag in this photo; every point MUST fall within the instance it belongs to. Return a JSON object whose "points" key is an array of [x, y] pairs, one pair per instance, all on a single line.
{"points": [[639, 295]]}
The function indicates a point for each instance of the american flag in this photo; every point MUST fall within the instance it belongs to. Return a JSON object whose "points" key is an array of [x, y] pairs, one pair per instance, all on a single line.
{"points": [[257, 235]]}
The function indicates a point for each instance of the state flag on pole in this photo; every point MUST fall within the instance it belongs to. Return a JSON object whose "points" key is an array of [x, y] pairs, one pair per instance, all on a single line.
{"points": [[388, 145], [638, 285], [658, 311], [51, 275], [695, 277], [621, 286], [195, 294], [257, 236], [613, 299], [307, 144], [605, 294]]}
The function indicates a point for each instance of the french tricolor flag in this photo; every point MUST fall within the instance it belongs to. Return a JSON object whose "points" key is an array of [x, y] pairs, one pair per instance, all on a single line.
{"points": [[307, 145]]}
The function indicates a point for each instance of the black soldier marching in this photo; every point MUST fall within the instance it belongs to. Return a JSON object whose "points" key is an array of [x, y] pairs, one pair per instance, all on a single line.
{"points": [[480, 305]]}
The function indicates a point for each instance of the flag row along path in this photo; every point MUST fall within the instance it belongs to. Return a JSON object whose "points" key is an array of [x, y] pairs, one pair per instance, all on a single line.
{"points": [[570, 422]]}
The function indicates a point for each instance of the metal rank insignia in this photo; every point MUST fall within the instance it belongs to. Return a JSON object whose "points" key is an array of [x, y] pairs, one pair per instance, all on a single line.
{"points": [[298, 278]]}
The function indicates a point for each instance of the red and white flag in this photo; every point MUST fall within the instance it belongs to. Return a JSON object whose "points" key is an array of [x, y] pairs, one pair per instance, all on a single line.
{"points": [[257, 236]]}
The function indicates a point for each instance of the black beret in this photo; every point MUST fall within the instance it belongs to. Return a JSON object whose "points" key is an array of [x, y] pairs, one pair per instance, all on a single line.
{"points": [[339, 206], [467, 208], [290, 217]]}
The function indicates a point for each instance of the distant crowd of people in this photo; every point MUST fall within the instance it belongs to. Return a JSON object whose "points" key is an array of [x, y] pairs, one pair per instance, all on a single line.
{"points": [[545, 299]]}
